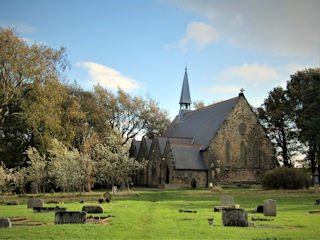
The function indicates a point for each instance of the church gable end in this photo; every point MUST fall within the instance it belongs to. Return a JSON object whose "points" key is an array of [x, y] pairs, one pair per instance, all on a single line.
{"points": [[240, 150]]}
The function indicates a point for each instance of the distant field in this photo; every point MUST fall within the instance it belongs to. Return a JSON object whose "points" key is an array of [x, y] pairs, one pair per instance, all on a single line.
{"points": [[155, 215]]}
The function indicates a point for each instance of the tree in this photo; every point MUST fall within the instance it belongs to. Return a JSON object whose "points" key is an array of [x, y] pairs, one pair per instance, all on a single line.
{"points": [[6, 180], [304, 96], [275, 114], [198, 104], [130, 115], [113, 163], [25, 71], [70, 169], [37, 170]]}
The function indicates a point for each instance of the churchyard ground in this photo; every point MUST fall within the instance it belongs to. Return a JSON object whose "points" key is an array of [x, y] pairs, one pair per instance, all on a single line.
{"points": [[155, 215]]}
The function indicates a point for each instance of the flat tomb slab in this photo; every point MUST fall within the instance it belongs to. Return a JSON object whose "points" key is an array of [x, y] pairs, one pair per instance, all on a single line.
{"points": [[70, 218]]}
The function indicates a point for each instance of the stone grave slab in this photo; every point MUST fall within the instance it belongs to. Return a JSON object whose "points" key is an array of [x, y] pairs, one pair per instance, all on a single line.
{"points": [[48, 209], [70, 218], [92, 209]]}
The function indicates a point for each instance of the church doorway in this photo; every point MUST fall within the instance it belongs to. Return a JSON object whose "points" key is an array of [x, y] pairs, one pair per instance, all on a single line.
{"points": [[167, 175], [193, 183]]}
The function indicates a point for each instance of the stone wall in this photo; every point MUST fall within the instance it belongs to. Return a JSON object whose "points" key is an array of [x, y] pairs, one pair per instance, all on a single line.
{"points": [[190, 178], [240, 151]]}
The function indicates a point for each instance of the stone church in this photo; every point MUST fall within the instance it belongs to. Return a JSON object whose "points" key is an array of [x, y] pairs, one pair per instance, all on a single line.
{"points": [[222, 144]]}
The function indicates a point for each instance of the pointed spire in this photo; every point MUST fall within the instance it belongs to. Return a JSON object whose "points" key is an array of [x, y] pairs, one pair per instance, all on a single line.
{"points": [[185, 99]]}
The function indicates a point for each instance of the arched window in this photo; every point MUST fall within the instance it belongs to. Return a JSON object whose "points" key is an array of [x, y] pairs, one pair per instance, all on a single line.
{"points": [[227, 152], [256, 151], [242, 154]]}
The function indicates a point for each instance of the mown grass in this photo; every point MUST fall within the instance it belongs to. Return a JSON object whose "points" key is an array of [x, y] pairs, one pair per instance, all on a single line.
{"points": [[155, 215]]}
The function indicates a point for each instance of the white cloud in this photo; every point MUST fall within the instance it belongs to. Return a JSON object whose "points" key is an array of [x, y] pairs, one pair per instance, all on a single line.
{"points": [[108, 77], [199, 33], [282, 27], [251, 73]]}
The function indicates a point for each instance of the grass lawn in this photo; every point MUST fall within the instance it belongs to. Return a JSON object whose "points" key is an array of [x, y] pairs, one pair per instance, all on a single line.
{"points": [[155, 215]]}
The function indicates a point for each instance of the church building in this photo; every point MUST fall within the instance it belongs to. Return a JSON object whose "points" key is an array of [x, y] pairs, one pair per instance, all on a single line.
{"points": [[222, 144]]}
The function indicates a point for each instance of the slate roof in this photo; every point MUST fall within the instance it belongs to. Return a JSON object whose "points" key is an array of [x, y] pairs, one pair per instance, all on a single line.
{"points": [[202, 124], [148, 144], [187, 156], [185, 92], [136, 145], [163, 140]]}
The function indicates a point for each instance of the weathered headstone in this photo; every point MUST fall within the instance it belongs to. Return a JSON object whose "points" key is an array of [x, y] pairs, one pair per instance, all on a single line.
{"points": [[227, 200], [317, 202], [34, 188], [5, 223], [270, 207], [70, 218], [114, 190], [92, 209], [33, 202], [234, 217]]}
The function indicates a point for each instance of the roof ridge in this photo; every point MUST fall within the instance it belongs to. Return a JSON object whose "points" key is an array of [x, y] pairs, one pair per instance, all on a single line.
{"points": [[185, 144], [175, 137], [211, 105]]}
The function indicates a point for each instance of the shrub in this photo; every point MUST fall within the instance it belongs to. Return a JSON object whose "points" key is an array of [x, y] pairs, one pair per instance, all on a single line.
{"points": [[286, 178]]}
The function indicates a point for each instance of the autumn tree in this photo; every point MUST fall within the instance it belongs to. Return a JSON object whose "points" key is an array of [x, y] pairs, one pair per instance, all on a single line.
{"points": [[37, 169], [198, 104], [25, 71], [276, 116], [70, 169], [113, 163], [304, 96], [130, 115]]}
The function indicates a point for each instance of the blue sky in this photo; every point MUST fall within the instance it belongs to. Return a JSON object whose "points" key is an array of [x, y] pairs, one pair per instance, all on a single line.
{"points": [[144, 46]]}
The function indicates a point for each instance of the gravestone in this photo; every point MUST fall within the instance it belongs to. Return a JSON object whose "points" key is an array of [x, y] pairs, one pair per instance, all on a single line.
{"points": [[317, 202], [114, 190], [70, 218], [227, 200], [33, 188], [234, 217], [5, 223], [92, 209], [270, 207], [33, 202]]}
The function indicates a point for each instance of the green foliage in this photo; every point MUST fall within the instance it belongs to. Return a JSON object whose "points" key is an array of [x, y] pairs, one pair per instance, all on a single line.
{"points": [[198, 104], [71, 170], [130, 115], [304, 94], [37, 170], [113, 163], [276, 116], [286, 178]]}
